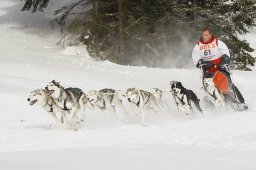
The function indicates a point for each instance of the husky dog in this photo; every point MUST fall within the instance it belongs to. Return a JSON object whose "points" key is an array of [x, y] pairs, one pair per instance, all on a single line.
{"points": [[105, 99], [214, 95], [41, 97], [183, 97], [142, 100], [157, 93], [70, 100]]}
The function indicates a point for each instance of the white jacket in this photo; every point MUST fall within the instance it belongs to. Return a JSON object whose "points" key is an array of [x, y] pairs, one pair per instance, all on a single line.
{"points": [[210, 51]]}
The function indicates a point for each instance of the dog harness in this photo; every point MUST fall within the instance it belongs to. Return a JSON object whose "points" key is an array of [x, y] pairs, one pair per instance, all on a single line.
{"points": [[51, 105], [110, 95], [76, 91], [138, 104], [144, 93], [103, 102], [180, 99]]}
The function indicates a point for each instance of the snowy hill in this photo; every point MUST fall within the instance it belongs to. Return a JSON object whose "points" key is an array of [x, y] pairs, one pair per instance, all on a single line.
{"points": [[215, 140]]}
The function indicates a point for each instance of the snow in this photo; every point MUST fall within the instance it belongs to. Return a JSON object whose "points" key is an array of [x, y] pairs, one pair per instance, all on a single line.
{"points": [[144, 157], [30, 139]]}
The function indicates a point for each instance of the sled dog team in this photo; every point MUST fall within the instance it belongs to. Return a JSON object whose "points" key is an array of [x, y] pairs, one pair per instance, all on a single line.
{"points": [[67, 105]]}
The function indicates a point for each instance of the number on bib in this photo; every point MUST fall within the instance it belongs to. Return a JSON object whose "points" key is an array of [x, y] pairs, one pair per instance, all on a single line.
{"points": [[207, 52]]}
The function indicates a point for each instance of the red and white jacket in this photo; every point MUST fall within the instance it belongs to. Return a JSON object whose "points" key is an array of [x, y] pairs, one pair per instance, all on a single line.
{"points": [[210, 51]]}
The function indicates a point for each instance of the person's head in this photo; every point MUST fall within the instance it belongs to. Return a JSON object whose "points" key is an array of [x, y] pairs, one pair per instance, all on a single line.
{"points": [[206, 34]]}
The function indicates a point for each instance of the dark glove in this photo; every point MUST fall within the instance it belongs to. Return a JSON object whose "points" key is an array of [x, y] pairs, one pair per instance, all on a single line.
{"points": [[204, 64], [225, 60], [223, 66]]}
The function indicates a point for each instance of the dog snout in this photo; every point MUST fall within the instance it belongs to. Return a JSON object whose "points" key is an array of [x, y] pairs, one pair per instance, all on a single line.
{"points": [[129, 100], [46, 88], [28, 99]]}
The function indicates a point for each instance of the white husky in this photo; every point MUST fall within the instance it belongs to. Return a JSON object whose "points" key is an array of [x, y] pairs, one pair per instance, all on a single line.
{"points": [[41, 97], [142, 100], [214, 95]]}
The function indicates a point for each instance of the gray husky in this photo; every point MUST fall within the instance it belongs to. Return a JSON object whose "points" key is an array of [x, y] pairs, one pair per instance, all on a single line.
{"points": [[105, 99], [70, 100], [42, 98], [142, 100]]}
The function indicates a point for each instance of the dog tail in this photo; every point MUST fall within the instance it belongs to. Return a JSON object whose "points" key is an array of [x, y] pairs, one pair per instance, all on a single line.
{"points": [[195, 99]]}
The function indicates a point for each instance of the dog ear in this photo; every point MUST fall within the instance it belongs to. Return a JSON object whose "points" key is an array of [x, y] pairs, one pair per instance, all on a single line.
{"points": [[172, 84], [56, 83], [179, 84], [137, 91]]}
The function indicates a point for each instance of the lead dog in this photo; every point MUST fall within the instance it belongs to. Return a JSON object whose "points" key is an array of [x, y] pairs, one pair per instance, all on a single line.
{"points": [[142, 100], [70, 100], [183, 97], [41, 97], [105, 99]]}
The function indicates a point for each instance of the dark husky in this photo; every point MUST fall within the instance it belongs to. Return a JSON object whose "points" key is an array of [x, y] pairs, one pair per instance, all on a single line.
{"points": [[183, 97]]}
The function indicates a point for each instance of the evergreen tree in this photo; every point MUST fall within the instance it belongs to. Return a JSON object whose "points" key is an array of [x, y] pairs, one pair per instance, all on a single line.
{"points": [[35, 5], [129, 31]]}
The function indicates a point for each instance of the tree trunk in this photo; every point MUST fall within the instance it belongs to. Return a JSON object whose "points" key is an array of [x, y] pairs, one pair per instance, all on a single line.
{"points": [[96, 46], [121, 31]]}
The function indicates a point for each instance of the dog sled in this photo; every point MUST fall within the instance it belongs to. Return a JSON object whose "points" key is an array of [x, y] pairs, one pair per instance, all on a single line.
{"points": [[223, 91]]}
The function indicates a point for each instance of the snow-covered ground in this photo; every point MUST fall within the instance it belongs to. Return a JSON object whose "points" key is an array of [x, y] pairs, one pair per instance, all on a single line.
{"points": [[30, 139]]}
